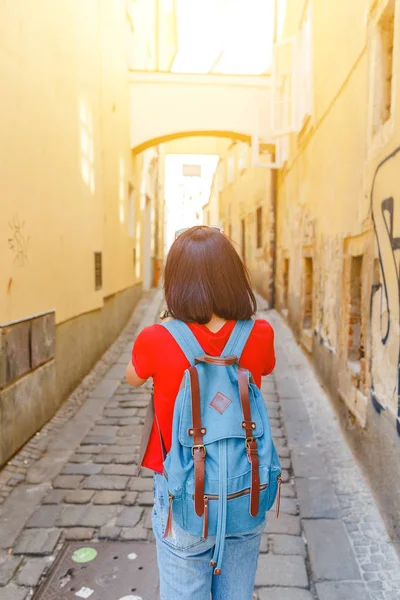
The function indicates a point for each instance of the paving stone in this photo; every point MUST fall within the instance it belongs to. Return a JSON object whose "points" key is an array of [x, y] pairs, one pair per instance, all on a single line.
{"points": [[78, 497], [146, 499], [125, 459], [69, 482], [109, 532], [39, 542], [54, 497], [105, 389], [86, 515], [146, 473], [120, 470], [283, 453], [119, 413], [129, 516], [124, 358], [147, 519], [89, 449], [81, 469], [288, 490], [107, 421], [80, 458], [346, 590], [317, 499], [308, 462], [298, 433], [285, 571], [32, 571], [288, 544], [130, 498], [117, 371], [285, 476], [108, 497], [290, 506], [134, 533], [79, 533], [14, 592], [106, 482], [130, 421], [287, 387], [8, 568], [288, 524], [16, 510], [131, 442], [286, 463], [324, 538], [276, 432], [103, 459], [264, 546], [280, 593], [130, 430], [98, 439], [137, 484], [115, 449], [44, 516]]}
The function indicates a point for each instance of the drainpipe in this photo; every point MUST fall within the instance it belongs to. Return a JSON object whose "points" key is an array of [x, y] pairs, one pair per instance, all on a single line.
{"points": [[273, 199]]}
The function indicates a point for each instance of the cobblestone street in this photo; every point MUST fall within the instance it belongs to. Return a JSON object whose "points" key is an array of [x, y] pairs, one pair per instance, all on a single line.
{"points": [[74, 481]]}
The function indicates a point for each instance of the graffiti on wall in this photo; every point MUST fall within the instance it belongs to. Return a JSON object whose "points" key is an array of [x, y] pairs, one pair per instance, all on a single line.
{"points": [[385, 296], [18, 242]]}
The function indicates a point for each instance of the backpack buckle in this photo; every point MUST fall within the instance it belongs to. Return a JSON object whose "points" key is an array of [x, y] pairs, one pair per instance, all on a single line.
{"points": [[249, 440], [199, 446]]}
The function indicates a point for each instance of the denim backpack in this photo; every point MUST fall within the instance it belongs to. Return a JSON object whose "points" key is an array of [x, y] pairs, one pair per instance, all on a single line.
{"points": [[223, 472]]}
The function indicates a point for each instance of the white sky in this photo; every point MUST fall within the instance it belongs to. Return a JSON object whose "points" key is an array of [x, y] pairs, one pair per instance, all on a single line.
{"points": [[185, 196], [238, 31]]}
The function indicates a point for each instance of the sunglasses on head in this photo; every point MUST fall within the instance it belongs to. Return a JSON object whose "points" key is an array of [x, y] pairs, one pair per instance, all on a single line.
{"points": [[180, 231]]}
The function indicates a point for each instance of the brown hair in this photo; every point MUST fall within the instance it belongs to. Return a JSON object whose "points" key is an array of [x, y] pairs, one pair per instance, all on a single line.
{"points": [[204, 275]]}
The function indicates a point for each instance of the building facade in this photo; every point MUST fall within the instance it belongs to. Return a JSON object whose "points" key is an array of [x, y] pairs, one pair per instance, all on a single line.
{"points": [[338, 215], [72, 240], [244, 195]]}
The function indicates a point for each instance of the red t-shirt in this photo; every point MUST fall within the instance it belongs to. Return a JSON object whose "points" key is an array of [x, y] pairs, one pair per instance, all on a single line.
{"points": [[156, 354]]}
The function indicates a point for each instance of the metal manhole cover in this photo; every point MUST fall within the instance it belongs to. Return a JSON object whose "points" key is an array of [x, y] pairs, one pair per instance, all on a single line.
{"points": [[103, 571]]}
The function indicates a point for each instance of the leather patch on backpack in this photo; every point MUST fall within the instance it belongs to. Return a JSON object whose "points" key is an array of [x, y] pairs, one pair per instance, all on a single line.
{"points": [[220, 402]]}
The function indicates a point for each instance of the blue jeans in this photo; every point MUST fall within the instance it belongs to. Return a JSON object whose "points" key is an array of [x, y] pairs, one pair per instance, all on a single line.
{"points": [[184, 560]]}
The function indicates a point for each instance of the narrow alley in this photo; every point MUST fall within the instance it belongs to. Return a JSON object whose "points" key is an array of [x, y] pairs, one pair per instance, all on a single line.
{"points": [[275, 126], [329, 541]]}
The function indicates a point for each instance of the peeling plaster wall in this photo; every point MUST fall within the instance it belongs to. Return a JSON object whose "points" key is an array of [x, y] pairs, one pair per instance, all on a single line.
{"points": [[338, 202]]}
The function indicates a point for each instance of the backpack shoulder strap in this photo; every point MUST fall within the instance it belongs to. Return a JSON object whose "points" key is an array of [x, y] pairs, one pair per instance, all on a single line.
{"points": [[185, 339], [238, 338]]}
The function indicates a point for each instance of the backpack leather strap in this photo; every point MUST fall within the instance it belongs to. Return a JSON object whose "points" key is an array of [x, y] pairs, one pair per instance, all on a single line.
{"points": [[251, 442], [198, 449]]}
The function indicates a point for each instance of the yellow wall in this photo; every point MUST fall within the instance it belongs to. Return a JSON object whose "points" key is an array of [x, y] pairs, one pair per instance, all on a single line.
{"points": [[65, 100], [244, 189], [326, 209]]}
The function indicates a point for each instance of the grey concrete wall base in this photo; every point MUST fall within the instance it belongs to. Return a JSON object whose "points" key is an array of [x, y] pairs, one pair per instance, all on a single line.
{"points": [[25, 406]]}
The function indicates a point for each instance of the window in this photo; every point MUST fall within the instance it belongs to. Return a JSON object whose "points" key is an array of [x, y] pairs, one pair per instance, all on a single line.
{"points": [[354, 315], [243, 239], [308, 284], [98, 271], [259, 227], [285, 282], [383, 67]]}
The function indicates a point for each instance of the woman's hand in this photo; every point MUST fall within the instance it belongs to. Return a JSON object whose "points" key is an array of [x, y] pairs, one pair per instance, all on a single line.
{"points": [[131, 376]]}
